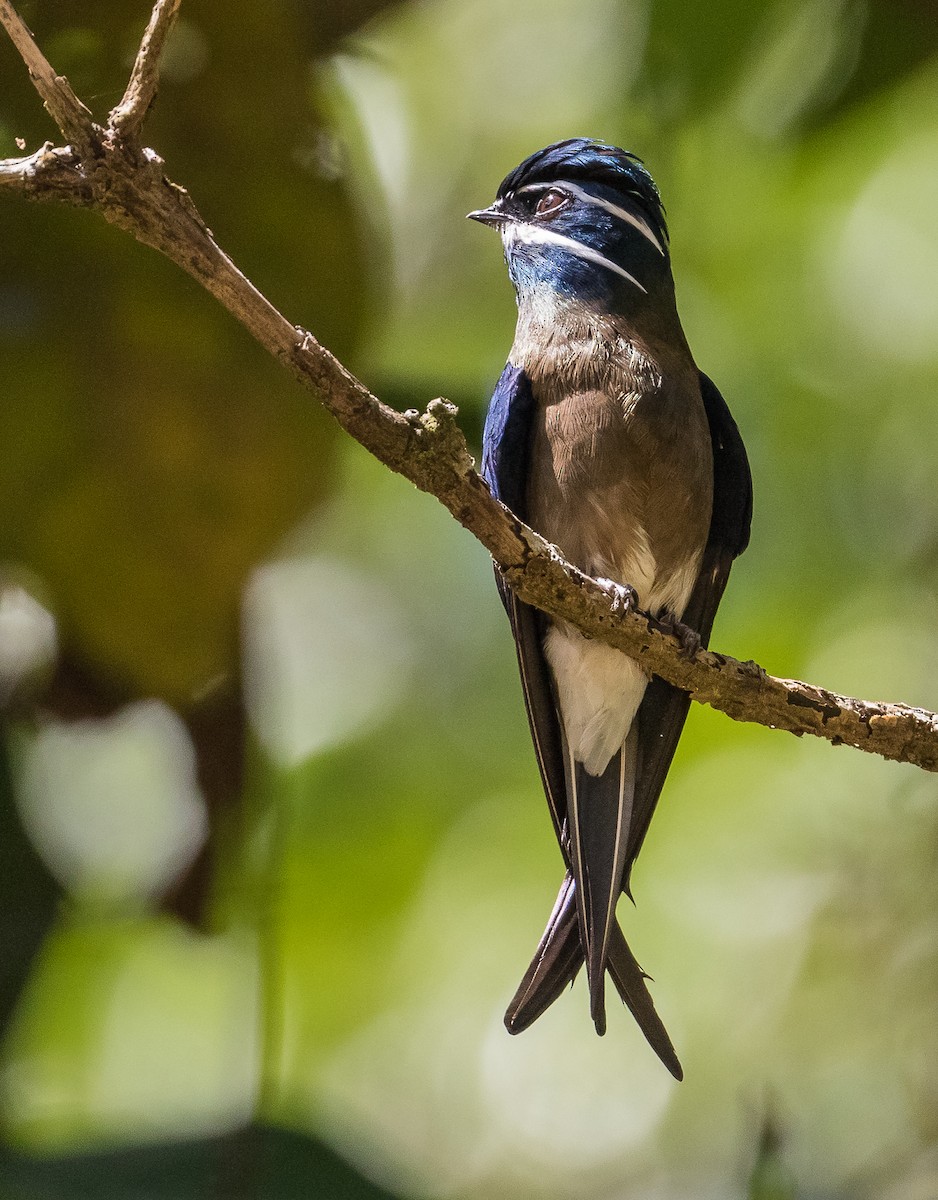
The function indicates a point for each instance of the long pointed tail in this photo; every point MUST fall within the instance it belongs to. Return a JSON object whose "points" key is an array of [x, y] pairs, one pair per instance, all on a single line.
{"points": [[600, 810], [558, 960]]}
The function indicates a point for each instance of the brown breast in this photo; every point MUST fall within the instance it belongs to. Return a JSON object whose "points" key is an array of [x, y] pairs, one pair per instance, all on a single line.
{"points": [[622, 482]]}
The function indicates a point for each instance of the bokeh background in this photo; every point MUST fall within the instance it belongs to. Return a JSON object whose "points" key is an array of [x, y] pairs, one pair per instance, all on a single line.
{"points": [[273, 852]]}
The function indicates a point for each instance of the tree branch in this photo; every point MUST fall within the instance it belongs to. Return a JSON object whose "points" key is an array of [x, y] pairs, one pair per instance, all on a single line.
{"points": [[62, 104], [49, 174], [107, 170], [128, 117]]}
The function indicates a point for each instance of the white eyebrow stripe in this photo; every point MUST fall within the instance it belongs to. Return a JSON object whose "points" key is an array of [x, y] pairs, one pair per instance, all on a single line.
{"points": [[538, 234], [623, 214]]}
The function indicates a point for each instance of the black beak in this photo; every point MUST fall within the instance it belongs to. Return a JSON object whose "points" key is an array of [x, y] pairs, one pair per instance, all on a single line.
{"points": [[493, 215]]}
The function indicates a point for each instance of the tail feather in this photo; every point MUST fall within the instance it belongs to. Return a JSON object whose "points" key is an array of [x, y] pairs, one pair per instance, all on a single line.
{"points": [[629, 979], [557, 962], [555, 965], [600, 814]]}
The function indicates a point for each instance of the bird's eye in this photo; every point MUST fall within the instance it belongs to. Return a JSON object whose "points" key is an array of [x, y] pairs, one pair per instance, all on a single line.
{"points": [[550, 203]]}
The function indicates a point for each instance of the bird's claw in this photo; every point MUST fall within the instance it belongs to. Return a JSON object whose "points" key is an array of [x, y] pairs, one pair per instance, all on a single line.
{"points": [[688, 638], [624, 596], [690, 641]]}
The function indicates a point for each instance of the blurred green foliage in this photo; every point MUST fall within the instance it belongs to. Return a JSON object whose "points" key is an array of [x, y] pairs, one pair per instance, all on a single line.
{"points": [[140, 446], [378, 878]]}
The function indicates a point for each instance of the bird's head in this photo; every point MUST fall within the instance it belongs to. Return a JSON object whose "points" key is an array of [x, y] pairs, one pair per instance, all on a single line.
{"points": [[583, 220]]}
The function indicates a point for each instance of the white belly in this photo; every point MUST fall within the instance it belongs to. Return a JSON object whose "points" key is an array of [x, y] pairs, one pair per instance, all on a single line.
{"points": [[599, 688]]}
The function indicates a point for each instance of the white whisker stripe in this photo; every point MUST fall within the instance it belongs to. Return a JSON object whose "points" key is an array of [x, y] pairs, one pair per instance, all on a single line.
{"points": [[588, 198], [537, 234]]}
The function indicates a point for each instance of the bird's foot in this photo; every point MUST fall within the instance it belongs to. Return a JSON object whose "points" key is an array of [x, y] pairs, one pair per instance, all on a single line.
{"points": [[689, 638], [624, 596]]}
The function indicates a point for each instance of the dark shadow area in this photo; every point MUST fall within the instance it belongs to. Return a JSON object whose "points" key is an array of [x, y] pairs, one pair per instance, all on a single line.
{"points": [[255, 1164]]}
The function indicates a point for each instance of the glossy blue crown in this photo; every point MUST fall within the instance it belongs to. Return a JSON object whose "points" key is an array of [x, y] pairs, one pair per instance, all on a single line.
{"points": [[591, 161]]}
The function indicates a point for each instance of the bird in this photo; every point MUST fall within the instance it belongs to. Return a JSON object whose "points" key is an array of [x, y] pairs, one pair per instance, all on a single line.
{"points": [[605, 437]]}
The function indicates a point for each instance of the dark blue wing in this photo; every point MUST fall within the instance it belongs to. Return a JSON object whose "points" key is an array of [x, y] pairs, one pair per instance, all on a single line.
{"points": [[506, 438], [732, 481], [506, 447]]}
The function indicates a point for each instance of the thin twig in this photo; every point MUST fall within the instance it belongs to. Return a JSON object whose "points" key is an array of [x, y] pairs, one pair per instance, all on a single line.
{"points": [[128, 117], [129, 189], [68, 112]]}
